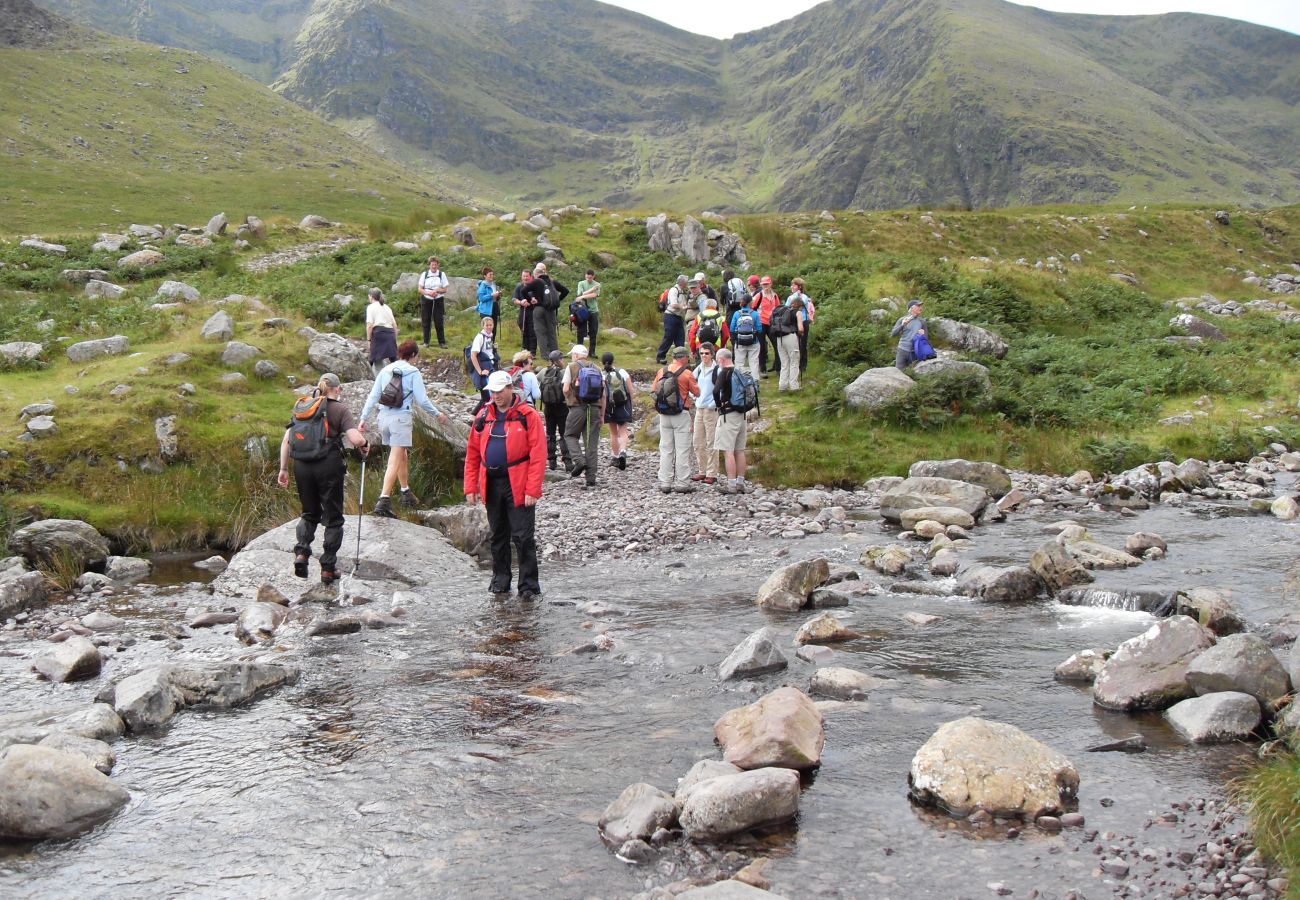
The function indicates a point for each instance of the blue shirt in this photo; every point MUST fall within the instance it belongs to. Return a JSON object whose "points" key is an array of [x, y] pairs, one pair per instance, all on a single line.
{"points": [[494, 457], [531, 388], [735, 317], [705, 377], [412, 389]]}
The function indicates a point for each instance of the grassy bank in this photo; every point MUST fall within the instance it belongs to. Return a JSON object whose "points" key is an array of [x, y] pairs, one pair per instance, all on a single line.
{"points": [[1271, 790]]}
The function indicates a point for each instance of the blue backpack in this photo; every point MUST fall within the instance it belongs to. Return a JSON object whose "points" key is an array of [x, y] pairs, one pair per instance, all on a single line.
{"points": [[921, 349], [590, 384]]}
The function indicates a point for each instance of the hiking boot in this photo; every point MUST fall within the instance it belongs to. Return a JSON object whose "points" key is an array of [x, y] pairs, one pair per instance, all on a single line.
{"points": [[530, 596], [497, 590], [665, 489], [328, 576], [708, 479], [409, 500], [685, 489], [578, 468], [697, 477], [300, 566], [622, 462], [384, 508], [551, 464], [591, 482]]}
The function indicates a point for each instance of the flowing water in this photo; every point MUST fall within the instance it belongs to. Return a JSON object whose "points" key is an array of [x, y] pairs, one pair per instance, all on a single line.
{"points": [[465, 755]]}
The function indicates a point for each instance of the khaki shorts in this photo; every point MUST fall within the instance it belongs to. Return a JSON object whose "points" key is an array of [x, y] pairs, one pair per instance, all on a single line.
{"points": [[731, 432], [395, 427]]}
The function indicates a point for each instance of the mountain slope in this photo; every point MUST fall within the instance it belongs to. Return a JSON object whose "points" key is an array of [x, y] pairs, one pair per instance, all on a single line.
{"points": [[113, 129], [873, 103]]}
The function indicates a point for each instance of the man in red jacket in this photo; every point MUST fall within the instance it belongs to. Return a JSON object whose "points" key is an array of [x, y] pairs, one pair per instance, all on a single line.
{"points": [[504, 464]]}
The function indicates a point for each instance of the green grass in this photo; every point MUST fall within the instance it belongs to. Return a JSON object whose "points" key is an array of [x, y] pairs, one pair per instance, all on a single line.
{"points": [[1271, 790]]}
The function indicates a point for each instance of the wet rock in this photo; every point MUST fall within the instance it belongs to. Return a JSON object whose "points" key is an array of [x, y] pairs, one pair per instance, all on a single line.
{"points": [[51, 542], [824, 629], [944, 563], [150, 698], [209, 619], [887, 560], [636, 814], [729, 889], [1012, 584], [876, 388], [1215, 718], [756, 655], [268, 593], [1056, 568], [919, 619], [95, 752], [990, 476], [125, 569], [1210, 608], [815, 654], [1140, 542], [335, 626], [1093, 555], [700, 772], [783, 728], [944, 515], [1134, 743], [839, 683], [1083, 666], [827, 598], [1285, 508], [73, 660], [1157, 602], [97, 721], [928, 529], [914, 493], [47, 793], [978, 764], [1150, 671], [146, 699], [465, 526], [102, 621], [633, 851], [1244, 663], [787, 588], [19, 589], [731, 804], [212, 564], [258, 622]]}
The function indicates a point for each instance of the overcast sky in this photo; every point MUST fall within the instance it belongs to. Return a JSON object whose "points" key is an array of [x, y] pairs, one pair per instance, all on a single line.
{"points": [[724, 18]]}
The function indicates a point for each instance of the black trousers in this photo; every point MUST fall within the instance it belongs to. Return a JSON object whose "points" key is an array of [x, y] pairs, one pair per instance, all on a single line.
{"points": [[557, 418], [674, 336], [775, 340], [527, 334], [432, 312], [320, 490], [511, 524], [803, 347], [588, 329]]}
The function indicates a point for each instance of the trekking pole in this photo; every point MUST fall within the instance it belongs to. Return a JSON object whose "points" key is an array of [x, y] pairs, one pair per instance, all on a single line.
{"points": [[361, 507]]}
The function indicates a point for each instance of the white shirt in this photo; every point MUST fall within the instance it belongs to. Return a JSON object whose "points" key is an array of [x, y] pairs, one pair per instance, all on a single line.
{"points": [[380, 315], [431, 281]]}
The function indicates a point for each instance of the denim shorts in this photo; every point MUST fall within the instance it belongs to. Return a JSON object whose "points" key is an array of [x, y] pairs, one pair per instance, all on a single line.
{"points": [[395, 427]]}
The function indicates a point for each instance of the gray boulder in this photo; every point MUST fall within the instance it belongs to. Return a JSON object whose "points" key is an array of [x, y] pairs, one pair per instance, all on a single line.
{"points": [[256, 227], [756, 655], [218, 327], [1215, 718], [1211, 609], [84, 276], [1150, 671], [994, 584], [44, 247], [85, 351], [637, 813], [97, 721], [127, 568], [103, 289], [841, 683], [946, 367], [140, 259], [150, 698], [1242, 663], [109, 243], [961, 336], [238, 354], [466, 527], [164, 431], [52, 541], [1139, 542], [311, 222], [47, 793], [889, 559], [917, 492], [695, 243], [700, 772], [1056, 568], [19, 589], [177, 290], [97, 753], [731, 804], [787, 589], [330, 352], [990, 476], [74, 659], [657, 232], [216, 225], [15, 352], [41, 426], [876, 388], [1194, 325], [265, 369], [1083, 666], [146, 699]]}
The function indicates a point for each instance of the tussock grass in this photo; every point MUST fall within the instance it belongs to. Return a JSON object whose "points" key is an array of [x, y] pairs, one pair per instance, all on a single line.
{"points": [[1271, 790]]}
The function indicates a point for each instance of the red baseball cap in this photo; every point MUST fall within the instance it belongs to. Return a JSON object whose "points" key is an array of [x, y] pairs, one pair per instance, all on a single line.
{"points": [[753, 280], [767, 279]]}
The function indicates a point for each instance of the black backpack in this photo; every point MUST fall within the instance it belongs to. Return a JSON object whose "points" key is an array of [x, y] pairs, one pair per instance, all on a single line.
{"points": [[552, 382], [309, 431], [783, 321], [668, 397], [394, 393], [708, 330]]}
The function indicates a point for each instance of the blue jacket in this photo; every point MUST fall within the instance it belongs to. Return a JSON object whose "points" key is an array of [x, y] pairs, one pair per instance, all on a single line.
{"points": [[485, 302], [412, 389]]}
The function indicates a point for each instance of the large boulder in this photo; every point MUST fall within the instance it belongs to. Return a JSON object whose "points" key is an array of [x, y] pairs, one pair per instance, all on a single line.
{"points": [[1150, 671], [140, 259], [146, 699], [1194, 325], [237, 354], [104, 290], [1215, 718], [990, 476], [917, 492], [695, 243], [48, 793], [1211, 609], [787, 588], [876, 388], [74, 659], [944, 515], [1242, 663], [637, 813], [658, 234], [730, 804], [783, 728], [465, 526], [756, 655], [330, 352], [50, 542], [946, 367], [20, 588], [150, 698], [996, 584], [961, 336], [15, 352], [1056, 568], [219, 327], [975, 764], [177, 290], [85, 351], [216, 225]]}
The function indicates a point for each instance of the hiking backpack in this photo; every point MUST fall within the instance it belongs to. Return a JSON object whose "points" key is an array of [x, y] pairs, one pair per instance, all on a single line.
{"points": [[921, 349], [782, 321], [663, 300], [668, 398], [309, 436], [552, 381], [744, 391], [394, 393], [589, 384], [745, 333], [578, 311], [708, 331], [617, 387]]}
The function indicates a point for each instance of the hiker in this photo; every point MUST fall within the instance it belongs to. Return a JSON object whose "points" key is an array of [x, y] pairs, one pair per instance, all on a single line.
{"points": [[618, 409], [548, 294], [728, 394], [734, 295], [705, 291], [320, 480], [489, 298], [381, 331], [673, 303], [673, 390], [504, 464], [433, 287], [806, 316], [589, 298], [786, 326], [765, 302], [396, 422], [747, 337], [709, 327], [555, 410], [483, 360], [584, 394], [706, 418], [524, 301], [908, 326], [525, 381]]}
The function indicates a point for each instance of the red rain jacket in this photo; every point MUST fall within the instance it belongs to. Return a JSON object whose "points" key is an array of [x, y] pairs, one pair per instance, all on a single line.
{"points": [[525, 450]]}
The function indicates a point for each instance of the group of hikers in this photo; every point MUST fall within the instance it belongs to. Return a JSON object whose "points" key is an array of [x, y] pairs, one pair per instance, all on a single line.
{"points": [[715, 350]]}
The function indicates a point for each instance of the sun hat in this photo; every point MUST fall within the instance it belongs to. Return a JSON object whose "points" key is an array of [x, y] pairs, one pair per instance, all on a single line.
{"points": [[498, 381]]}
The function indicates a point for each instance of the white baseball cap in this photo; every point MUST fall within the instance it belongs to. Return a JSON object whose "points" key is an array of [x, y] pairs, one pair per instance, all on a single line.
{"points": [[498, 381], [578, 350]]}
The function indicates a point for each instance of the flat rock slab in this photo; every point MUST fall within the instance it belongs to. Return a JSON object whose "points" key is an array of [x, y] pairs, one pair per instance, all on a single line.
{"points": [[1150, 671], [150, 698], [731, 804], [913, 493], [840, 683], [990, 476], [1215, 718], [49, 793]]}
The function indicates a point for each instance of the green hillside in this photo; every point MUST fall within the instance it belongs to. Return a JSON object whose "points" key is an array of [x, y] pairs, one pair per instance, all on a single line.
{"points": [[112, 131]]}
